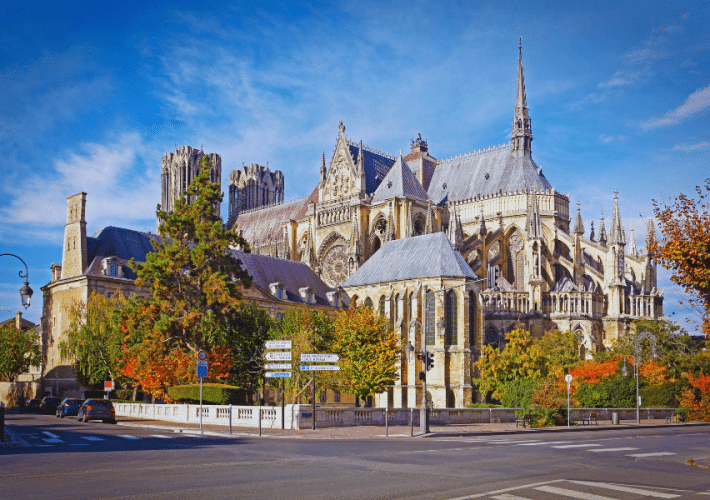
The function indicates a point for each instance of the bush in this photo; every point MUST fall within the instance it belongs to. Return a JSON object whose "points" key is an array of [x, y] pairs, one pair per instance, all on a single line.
{"points": [[482, 405], [663, 396], [212, 394], [614, 392], [518, 393], [124, 394]]}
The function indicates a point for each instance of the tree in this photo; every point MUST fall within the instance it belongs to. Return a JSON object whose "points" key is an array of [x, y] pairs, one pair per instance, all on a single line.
{"points": [[19, 350], [93, 339], [369, 351], [194, 284], [684, 246], [696, 399], [309, 331], [561, 352]]}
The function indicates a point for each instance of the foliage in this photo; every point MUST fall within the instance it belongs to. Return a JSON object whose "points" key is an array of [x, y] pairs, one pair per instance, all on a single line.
{"points": [[194, 284], [593, 372], [310, 331], [696, 399], [684, 246], [547, 403], [93, 339], [482, 405], [369, 351], [666, 395], [518, 393], [560, 350], [212, 394], [19, 350], [613, 392]]}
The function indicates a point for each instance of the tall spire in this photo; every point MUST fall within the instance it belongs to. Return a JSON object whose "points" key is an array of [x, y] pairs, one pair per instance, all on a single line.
{"points": [[650, 236], [632, 242], [482, 231], [578, 225], [521, 135], [360, 160], [429, 226], [323, 171], [591, 233], [602, 231], [616, 233]]}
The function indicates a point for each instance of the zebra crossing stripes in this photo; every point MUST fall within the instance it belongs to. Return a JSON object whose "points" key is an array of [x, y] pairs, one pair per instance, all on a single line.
{"points": [[656, 454], [92, 438], [627, 489], [609, 450]]}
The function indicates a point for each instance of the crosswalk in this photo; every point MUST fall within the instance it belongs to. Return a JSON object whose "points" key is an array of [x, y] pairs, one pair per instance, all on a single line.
{"points": [[583, 490], [46, 439]]}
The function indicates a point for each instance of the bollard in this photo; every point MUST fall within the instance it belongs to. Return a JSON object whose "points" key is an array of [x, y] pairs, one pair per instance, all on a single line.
{"points": [[2, 422], [260, 421], [230, 419], [411, 422], [387, 427]]}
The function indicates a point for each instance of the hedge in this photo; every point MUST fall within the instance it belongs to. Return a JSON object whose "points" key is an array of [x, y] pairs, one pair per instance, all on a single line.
{"points": [[212, 394]]}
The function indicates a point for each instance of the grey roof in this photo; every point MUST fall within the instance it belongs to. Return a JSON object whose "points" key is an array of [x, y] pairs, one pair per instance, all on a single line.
{"points": [[465, 175], [376, 165], [293, 275], [119, 242], [426, 256], [400, 181]]}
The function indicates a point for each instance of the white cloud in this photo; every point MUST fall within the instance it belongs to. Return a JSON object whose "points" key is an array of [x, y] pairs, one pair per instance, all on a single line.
{"points": [[607, 139], [619, 79], [696, 102], [689, 148], [653, 48]]}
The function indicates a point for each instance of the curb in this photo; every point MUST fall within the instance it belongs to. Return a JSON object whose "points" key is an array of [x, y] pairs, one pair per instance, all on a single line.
{"points": [[12, 440]]}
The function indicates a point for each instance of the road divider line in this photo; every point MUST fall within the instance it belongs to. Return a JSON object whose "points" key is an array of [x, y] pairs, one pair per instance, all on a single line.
{"points": [[126, 436], [161, 436], [572, 494], [563, 446], [605, 450], [91, 438], [657, 454], [626, 489]]}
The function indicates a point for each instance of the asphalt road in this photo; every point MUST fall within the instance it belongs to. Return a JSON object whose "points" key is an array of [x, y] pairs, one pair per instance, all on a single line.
{"points": [[68, 459]]}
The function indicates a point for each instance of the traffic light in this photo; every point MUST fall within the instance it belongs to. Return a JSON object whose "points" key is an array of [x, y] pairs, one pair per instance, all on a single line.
{"points": [[420, 356], [429, 360], [422, 375]]}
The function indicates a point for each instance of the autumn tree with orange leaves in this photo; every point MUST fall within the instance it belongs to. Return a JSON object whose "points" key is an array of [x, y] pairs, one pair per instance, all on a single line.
{"points": [[696, 399], [194, 293], [684, 246]]}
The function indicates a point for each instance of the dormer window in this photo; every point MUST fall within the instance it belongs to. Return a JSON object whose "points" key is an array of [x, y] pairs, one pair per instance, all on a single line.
{"points": [[111, 266], [333, 298], [307, 295], [278, 290]]}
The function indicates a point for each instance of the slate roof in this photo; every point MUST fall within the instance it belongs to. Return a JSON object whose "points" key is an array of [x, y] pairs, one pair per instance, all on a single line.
{"points": [[24, 324], [118, 242], [376, 165], [465, 175], [260, 224], [265, 270], [399, 181], [426, 256]]}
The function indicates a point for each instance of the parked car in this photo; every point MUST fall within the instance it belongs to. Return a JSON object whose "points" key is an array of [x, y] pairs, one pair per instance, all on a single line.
{"points": [[33, 406], [97, 409], [69, 406], [49, 404]]}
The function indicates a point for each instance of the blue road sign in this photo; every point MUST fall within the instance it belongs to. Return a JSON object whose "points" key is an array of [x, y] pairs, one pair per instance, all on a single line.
{"points": [[201, 371]]}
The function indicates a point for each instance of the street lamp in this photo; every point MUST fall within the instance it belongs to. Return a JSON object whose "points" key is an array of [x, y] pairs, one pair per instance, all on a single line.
{"points": [[424, 409], [637, 361], [25, 291]]}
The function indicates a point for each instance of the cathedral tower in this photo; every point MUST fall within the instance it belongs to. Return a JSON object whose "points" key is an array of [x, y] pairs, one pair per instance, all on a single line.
{"points": [[521, 135], [252, 187], [75, 257]]}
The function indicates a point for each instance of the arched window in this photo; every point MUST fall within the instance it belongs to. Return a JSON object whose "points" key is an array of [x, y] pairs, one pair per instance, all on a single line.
{"points": [[492, 339], [410, 315], [430, 318], [368, 303], [452, 325], [472, 320], [113, 268], [382, 305], [396, 307]]}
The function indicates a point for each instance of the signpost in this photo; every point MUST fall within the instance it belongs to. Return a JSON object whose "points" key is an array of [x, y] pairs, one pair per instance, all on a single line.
{"points": [[568, 379], [318, 358], [284, 370], [108, 387], [201, 373]]}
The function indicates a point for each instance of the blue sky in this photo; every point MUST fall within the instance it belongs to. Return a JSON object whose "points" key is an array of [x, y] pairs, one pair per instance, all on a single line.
{"points": [[92, 96]]}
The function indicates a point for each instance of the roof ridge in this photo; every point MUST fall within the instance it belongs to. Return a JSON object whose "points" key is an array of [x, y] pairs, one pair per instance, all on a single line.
{"points": [[271, 205], [365, 147], [499, 147]]}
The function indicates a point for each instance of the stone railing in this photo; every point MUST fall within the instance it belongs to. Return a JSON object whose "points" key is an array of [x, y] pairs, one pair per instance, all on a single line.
{"points": [[301, 416], [574, 303], [641, 306], [333, 215], [506, 302]]}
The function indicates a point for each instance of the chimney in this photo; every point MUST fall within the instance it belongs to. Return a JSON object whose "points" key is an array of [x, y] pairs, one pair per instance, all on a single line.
{"points": [[18, 320]]}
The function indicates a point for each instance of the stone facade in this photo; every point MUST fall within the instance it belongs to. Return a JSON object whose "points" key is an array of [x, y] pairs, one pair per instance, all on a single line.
{"points": [[254, 186]]}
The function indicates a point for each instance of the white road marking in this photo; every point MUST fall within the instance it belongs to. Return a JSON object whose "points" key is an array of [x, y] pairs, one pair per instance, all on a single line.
{"points": [[564, 446], [92, 438], [604, 450], [506, 496], [542, 442], [496, 492], [161, 436], [626, 489], [43, 445], [658, 454], [80, 444], [572, 494], [52, 440], [126, 436], [50, 435]]}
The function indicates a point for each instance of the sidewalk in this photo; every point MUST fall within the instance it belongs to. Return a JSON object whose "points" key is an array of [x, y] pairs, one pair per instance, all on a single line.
{"points": [[395, 431]]}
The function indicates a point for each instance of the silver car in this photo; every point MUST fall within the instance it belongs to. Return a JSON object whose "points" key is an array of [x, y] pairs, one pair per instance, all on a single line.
{"points": [[97, 409]]}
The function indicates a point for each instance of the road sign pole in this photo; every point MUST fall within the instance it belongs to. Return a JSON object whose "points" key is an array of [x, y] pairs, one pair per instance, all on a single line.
{"points": [[200, 404], [283, 403], [314, 400], [568, 379]]}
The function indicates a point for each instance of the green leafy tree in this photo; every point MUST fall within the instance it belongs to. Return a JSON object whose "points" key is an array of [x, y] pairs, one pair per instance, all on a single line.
{"points": [[19, 350], [94, 338], [309, 331], [560, 351], [194, 284], [369, 351]]}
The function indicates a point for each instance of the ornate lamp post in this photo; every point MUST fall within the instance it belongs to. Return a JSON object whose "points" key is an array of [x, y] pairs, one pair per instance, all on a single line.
{"points": [[638, 351], [409, 348], [25, 291]]}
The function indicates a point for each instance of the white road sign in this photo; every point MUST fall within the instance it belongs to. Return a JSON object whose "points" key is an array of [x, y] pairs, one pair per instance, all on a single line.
{"points": [[277, 366], [568, 378], [201, 362], [277, 374], [278, 356], [316, 368], [320, 358], [278, 344]]}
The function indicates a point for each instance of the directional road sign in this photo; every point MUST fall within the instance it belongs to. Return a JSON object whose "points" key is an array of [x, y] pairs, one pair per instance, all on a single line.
{"points": [[320, 358], [277, 366], [277, 374], [278, 356], [326, 368], [201, 362], [278, 344], [201, 371]]}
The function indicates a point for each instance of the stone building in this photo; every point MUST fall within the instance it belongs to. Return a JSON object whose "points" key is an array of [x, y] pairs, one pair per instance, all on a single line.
{"points": [[254, 186], [509, 224], [99, 263]]}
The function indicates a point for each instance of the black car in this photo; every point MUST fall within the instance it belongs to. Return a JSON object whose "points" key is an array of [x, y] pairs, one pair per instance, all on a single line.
{"points": [[69, 406], [33, 405], [49, 405], [97, 409]]}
